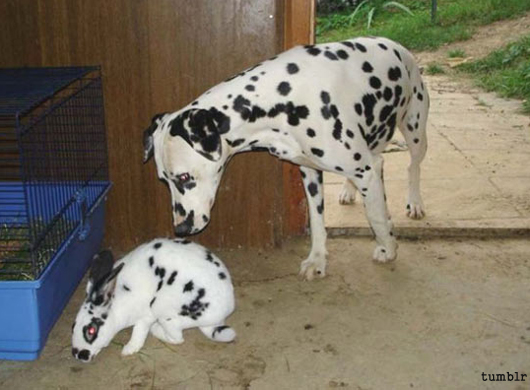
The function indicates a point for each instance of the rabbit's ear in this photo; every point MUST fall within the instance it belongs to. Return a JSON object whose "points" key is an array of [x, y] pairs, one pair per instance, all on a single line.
{"points": [[102, 264], [101, 291]]}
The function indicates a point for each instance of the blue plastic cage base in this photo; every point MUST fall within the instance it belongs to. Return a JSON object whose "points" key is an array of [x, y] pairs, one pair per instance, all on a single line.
{"points": [[31, 308]]}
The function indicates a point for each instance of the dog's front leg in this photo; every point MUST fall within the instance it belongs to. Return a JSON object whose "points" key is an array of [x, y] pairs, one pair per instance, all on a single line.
{"points": [[315, 264]]}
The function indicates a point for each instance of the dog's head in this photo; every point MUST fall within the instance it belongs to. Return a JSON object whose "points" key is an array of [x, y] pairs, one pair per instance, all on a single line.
{"points": [[188, 152]]}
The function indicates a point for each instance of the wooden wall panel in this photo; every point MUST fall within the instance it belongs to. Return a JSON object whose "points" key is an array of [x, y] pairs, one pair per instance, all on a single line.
{"points": [[158, 55], [226, 38], [299, 29]]}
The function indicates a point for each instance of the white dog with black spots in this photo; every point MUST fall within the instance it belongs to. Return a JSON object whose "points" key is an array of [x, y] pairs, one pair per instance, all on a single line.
{"points": [[328, 107]]}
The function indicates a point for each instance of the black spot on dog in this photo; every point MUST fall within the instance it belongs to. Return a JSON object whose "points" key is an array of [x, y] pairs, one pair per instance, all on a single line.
{"points": [[222, 275], [160, 284], [416, 140], [151, 261], [342, 54], [188, 287], [331, 55], [367, 67], [325, 112], [349, 44], [237, 142], [205, 218], [387, 94], [312, 188], [358, 108], [320, 207], [310, 133], [397, 55], [284, 88], [157, 245], [394, 73], [152, 302], [361, 47], [294, 113], [317, 152], [397, 92], [333, 111], [385, 112], [369, 102], [409, 126], [420, 97], [250, 88], [382, 46], [246, 110], [337, 130], [324, 96], [357, 156], [126, 288], [339, 169], [311, 49], [375, 82], [254, 78], [292, 68], [172, 278], [349, 133]]}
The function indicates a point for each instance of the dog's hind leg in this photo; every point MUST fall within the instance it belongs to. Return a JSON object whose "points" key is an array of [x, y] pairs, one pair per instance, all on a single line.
{"points": [[413, 127], [315, 264], [372, 190]]}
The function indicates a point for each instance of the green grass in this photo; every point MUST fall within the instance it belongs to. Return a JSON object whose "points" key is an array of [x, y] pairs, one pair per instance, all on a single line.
{"points": [[505, 71], [433, 69], [456, 53], [456, 21]]}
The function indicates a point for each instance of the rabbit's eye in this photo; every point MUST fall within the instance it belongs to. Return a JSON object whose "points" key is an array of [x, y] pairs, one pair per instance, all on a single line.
{"points": [[90, 332]]}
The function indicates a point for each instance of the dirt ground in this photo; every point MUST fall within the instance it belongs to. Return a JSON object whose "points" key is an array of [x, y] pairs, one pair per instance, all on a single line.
{"points": [[486, 39], [445, 312], [437, 318]]}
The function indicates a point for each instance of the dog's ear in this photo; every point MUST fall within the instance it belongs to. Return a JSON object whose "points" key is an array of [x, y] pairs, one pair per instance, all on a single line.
{"points": [[202, 130], [148, 136]]}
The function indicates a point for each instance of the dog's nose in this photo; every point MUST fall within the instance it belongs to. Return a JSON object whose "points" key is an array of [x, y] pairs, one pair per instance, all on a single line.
{"points": [[185, 227]]}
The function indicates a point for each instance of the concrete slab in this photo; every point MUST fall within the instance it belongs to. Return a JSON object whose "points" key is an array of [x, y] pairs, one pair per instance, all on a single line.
{"points": [[476, 173]]}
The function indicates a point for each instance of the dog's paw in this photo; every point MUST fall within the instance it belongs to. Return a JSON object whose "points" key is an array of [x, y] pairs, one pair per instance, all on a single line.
{"points": [[313, 267], [415, 210], [384, 255], [347, 194]]}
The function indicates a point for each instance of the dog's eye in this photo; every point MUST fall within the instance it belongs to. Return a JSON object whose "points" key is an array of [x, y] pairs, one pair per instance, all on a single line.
{"points": [[183, 178]]}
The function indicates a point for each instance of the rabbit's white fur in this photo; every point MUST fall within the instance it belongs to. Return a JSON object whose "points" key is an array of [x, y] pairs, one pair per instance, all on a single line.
{"points": [[161, 287]]}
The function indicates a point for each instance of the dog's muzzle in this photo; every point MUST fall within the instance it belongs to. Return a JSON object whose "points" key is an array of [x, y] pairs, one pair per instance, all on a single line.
{"points": [[185, 228]]}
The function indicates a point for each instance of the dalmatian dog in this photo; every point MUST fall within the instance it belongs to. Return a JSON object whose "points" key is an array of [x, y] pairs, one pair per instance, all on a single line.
{"points": [[327, 107]]}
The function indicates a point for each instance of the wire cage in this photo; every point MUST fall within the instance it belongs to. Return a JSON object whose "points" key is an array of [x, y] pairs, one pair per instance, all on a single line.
{"points": [[53, 163]]}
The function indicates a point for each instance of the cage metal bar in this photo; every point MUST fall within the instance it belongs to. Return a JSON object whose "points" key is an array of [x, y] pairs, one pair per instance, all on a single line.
{"points": [[62, 157]]}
